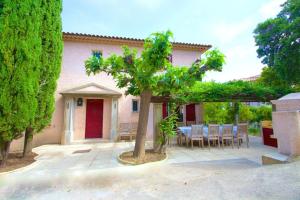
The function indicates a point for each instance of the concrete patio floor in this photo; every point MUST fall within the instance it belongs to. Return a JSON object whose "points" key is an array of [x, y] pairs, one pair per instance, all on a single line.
{"points": [[187, 174]]}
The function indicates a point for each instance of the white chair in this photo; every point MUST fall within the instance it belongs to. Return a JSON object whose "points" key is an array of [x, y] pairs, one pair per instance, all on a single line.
{"points": [[196, 135], [242, 130], [213, 134], [227, 134]]}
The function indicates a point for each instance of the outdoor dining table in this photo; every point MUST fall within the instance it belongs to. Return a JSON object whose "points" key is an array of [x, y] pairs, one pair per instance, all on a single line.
{"points": [[187, 131]]}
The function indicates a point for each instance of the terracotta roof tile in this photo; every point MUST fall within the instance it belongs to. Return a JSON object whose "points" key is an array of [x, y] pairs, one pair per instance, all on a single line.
{"points": [[137, 41]]}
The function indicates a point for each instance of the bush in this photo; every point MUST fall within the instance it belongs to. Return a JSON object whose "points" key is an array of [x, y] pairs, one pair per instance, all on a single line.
{"points": [[245, 113], [216, 112], [221, 113], [261, 113]]}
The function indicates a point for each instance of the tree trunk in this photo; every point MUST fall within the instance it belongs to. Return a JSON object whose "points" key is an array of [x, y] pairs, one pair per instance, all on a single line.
{"points": [[27, 148], [139, 148], [4, 153], [157, 117]]}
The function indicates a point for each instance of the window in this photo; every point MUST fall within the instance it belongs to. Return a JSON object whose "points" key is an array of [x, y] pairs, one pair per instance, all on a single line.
{"points": [[135, 105], [97, 53]]}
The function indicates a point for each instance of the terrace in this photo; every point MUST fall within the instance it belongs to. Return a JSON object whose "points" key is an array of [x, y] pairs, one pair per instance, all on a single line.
{"points": [[187, 173]]}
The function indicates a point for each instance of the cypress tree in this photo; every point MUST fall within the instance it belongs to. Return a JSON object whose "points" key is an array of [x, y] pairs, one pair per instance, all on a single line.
{"points": [[51, 36], [19, 68]]}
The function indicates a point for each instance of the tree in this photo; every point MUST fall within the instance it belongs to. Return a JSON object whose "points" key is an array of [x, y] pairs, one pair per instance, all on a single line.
{"points": [[278, 42], [50, 62], [271, 78], [19, 61], [152, 74], [261, 113]]}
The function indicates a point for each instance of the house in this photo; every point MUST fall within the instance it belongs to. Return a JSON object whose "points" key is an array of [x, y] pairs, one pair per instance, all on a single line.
{"points": [[92, 107]]}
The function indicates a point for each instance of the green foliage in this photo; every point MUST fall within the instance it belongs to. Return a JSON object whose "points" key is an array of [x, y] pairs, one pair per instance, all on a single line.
{"points": [[279, 44], [224, 112], [167, 126], [215, 112], [244, 113], [214, 60], [271, 78], [50, 34], [153, 70], [261, 113], [240, 91], [20, 51]]}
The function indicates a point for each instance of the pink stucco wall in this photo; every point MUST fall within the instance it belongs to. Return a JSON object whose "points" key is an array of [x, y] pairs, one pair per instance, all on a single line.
{"points": [[73, 75]]}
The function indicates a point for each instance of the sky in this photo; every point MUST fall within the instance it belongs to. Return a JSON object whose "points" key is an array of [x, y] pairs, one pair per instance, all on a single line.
{"points": [[225, 24]]}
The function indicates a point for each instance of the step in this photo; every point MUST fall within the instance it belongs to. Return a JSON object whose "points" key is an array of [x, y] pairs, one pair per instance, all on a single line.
{"points": [[274, 158]]}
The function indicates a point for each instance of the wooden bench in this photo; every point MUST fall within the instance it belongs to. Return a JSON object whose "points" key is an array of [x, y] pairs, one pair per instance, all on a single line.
{"points": [[127, 131]]}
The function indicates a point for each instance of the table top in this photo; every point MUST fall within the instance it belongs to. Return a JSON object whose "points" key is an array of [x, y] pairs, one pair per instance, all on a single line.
{"points": [[186, 130]]}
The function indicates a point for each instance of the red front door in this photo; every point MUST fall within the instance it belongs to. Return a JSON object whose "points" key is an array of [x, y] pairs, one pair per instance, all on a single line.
{"points": [[94, 118], [190, 112]]}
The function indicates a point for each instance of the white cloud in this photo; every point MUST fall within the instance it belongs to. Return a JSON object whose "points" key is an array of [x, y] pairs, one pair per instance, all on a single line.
{"points": [[241, 62], [226, 32], [271, 8]]}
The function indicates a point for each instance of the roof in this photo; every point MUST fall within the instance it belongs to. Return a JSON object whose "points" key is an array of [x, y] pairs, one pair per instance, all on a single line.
{"points": [[291, 96], [68, 36], [91, 89], [251, 78]]}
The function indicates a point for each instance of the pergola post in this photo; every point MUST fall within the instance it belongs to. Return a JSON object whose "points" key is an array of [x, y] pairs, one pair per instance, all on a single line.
{"points": [[68, 120], [184, 113], [199, 113], [157, 117], [114, 119]]}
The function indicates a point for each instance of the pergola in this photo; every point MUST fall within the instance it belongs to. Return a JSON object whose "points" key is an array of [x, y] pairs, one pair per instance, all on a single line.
{"points": [[233, 91]]}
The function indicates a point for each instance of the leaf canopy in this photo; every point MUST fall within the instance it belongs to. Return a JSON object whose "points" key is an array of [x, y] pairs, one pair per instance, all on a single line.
{"points": [[278, 42], [240, 91], [153, 69]]}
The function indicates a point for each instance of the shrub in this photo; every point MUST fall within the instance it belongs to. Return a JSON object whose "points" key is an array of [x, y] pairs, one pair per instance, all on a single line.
{"points": [[261, 113], [221, 113], [245, 113], [216, 113]]}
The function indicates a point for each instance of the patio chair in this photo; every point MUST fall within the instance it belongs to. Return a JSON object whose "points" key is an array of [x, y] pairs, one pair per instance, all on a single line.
{"points": [[180, 137], [213, 134], [189, 123], [196, 135], [227, 134], [242, 130]]}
